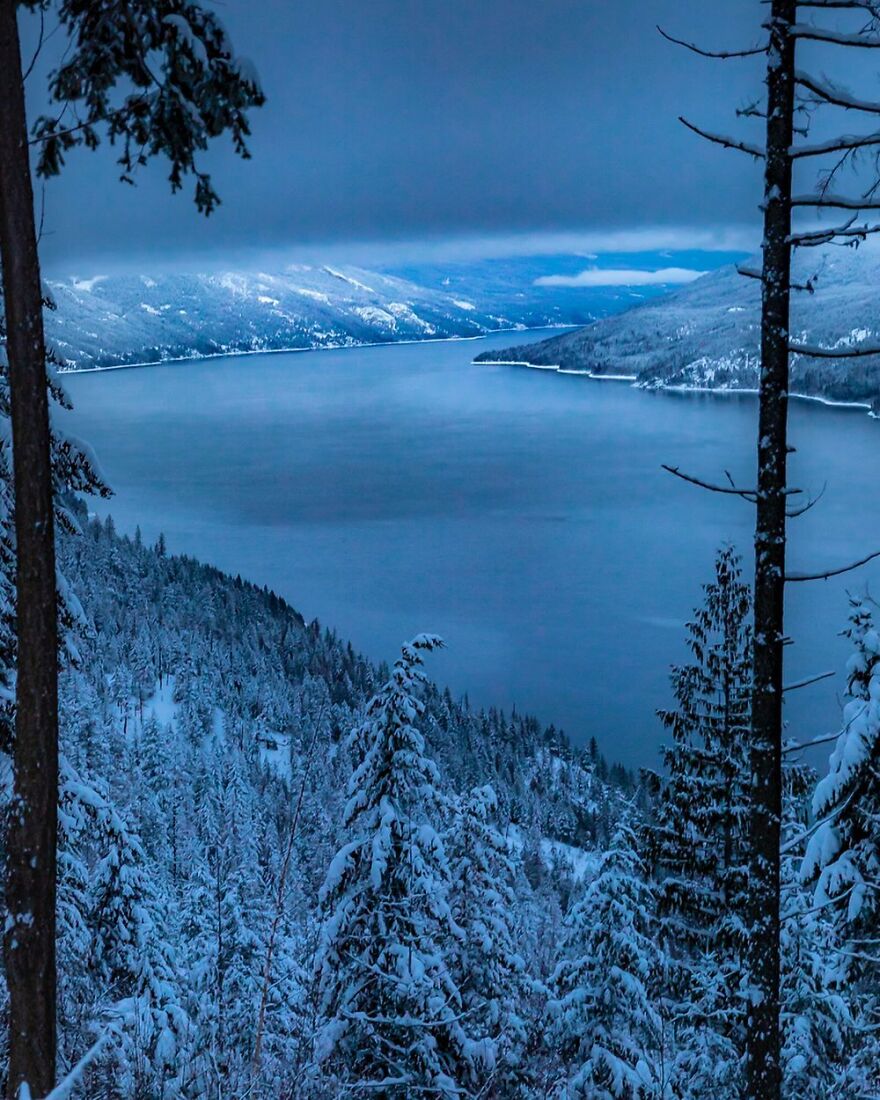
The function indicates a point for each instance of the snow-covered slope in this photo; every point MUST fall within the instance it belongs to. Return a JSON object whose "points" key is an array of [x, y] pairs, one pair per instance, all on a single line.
{"points": [[106, 321], [113, 320], [706, 334], [110, 320]]}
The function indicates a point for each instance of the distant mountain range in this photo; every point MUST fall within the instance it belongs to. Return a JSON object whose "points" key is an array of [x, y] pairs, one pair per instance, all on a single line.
{"points": [[112, 320], [706, 335]]}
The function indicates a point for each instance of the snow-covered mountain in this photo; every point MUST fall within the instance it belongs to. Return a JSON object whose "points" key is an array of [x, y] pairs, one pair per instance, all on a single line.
{"points": [[106, 321], [111, 320], [706, 335]]}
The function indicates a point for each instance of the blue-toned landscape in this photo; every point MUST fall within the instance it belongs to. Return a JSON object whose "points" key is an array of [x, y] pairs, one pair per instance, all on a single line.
{"points": [[523, 515], [118, 319], [439, 550]]}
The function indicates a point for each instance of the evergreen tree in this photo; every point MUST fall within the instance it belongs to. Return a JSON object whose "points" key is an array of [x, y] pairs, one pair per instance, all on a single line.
{"points": [[819, 1028], [154, 798], [697, 839], [487, 964], [843, 853], [226, 915], [393, 1023], [117, 931], [602, 1020], [108, 74]]}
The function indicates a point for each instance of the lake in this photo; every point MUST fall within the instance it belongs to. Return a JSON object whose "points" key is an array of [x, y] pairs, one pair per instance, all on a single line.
{"points": [[521, 514]]}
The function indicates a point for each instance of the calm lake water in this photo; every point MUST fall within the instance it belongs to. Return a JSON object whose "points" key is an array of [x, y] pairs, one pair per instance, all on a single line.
{"points": [[521, 514]]}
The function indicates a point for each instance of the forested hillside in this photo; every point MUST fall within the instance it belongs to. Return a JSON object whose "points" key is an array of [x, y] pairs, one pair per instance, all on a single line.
{"points": [[205, 729], [158, 314], [287, 873], [706, 335], [240, 861]]}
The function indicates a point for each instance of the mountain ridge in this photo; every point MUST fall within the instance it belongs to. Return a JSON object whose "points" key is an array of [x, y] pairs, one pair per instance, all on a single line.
{"points": [[706, 335], [128, 319]]}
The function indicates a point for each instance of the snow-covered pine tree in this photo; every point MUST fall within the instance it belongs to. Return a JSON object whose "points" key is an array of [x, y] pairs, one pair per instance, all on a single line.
{"points": [[818, 1024], [80, 1005], [697, 841], [393, 1022], [843, 853], [487, 964], [540, 916], [226, 914], [154, 789], [601, 1017], [120, 934]]}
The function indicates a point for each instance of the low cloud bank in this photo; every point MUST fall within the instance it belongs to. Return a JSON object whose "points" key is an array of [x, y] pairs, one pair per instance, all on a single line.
{"points": [[623, 276]]}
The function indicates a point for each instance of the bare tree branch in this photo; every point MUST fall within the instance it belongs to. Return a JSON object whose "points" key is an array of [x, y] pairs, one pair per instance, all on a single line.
{"points": [[720, 55], [851, 5], [793, 513], [39, 47], [849, 142], [746, 494], [835, 202], [816, 351], [725, 142], [732, 490], [800, 746], [826, 574], [756, 273], [809, 680], [834, 38], [830, 93]]}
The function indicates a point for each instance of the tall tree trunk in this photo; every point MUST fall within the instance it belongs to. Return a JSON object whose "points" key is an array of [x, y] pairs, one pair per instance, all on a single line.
{"points": [[29, 938], [763, 1035]]}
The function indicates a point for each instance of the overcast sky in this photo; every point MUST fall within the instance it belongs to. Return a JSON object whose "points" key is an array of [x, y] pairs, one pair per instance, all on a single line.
{"points": [[392, 120]]}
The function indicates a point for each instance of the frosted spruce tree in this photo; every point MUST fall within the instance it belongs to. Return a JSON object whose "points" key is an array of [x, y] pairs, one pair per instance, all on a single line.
{"points": [[393, 1018], [843, 853], [697, 841], [486, 961], [601, 1017], [818, 1008], [225, 916], [118, 966]]}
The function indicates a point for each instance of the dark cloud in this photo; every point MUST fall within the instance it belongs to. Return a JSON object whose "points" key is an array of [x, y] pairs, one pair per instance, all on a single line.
{"points": [[409, 118]]}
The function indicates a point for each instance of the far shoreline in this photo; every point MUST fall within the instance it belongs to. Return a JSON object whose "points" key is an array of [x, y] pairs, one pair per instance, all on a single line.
{"points": [[235, 353], [712, 391]]}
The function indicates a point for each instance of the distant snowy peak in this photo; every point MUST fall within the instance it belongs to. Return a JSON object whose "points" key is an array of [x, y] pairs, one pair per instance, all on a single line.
{"points": [[706, 335]]}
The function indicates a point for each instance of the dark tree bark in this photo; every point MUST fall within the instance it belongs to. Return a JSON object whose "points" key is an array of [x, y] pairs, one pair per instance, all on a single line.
{"points": [[763, 1031], [29, 938], [789, 90]]}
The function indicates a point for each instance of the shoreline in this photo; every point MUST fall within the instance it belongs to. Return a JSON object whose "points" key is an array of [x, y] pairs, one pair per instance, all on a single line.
{"points": [[632, 379], [670, 388], [235, 353]]}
